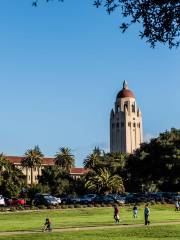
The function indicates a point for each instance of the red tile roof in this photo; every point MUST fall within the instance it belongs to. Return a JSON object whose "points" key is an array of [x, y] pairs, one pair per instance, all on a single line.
{"points": [[49, 162], [17, 160], [78, 170]]}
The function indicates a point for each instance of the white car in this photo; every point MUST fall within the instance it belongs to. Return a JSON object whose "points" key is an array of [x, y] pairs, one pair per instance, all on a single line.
{"points": [[58, 200], [2, 202]]}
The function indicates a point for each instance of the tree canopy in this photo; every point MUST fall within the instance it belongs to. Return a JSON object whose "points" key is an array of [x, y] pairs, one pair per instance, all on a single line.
{"points": [[159, 19], [156, 164], [64, 158]]}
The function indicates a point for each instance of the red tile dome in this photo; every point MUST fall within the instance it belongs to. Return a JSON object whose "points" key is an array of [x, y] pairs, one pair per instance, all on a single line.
{"points": [[125, 92]]}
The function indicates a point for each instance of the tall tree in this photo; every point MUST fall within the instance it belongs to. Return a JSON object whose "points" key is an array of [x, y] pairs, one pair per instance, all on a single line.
{"points": [[115, 162], [156, 164], [64, 158], [91, 161], [33, 158], [11, 178], [56, 179], [12, 182], [159, 19], [103, 182], [4, 163]]}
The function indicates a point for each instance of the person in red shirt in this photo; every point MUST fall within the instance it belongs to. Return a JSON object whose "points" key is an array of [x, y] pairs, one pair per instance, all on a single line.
{"points": [[116, 214]]}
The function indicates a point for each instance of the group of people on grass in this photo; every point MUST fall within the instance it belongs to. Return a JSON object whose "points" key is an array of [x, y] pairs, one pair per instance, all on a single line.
{"points": [[135, 213], [48, 227]]}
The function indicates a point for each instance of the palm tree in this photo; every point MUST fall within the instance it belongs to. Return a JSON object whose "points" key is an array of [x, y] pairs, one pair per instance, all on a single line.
{"points": [[91, 161], [64, 158], [103, 182], [4, 163], [33, 158], [116, 161]]}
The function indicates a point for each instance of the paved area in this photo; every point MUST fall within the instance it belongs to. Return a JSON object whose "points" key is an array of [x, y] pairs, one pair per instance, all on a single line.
{"points": [[72, 229]]}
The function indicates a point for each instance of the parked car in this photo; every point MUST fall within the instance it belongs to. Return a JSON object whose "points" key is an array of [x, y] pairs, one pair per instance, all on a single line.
{"points": [[45, 199], [88, 198], [105, 199], [14, 201], [58, 199], [74, 200], [2, 201]]}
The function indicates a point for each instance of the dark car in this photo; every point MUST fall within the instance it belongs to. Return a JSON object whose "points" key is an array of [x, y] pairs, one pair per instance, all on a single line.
{"points": [[105, 199], [45, 199]]}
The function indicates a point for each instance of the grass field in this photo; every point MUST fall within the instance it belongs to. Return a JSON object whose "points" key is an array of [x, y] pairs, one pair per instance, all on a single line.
{"points": [[143, 233], [85, 217]]}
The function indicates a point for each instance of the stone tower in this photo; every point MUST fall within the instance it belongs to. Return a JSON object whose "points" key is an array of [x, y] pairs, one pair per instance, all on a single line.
{"points": [[126, 132]]}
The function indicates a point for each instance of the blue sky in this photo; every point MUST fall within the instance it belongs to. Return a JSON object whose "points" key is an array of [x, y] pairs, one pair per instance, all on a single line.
{"points": [[61, 66]]}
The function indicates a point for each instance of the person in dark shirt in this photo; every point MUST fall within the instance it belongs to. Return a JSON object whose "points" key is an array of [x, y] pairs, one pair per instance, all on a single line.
{"points": [[146, 214], [47, 225]]}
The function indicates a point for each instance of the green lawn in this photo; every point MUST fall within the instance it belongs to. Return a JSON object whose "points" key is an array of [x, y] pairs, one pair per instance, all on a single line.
{"points": [[82, 217], [143, 233]]}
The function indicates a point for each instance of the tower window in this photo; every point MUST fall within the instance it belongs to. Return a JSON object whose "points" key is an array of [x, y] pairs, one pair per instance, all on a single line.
{"points": [[129, 124], [134, 125], [122, 124], [133, 108]]}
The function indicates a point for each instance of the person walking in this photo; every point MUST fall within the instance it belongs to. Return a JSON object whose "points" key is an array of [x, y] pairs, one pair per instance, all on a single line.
{"points": [[116, 214], [177, 205], [135, 211], [146, 214]]}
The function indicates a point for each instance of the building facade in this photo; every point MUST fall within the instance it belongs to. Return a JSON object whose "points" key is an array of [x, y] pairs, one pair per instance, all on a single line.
{"points": [[37, 171], [126, 131]]}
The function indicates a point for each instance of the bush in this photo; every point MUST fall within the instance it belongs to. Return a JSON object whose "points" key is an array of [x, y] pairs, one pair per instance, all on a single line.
{"points": [[51, 207], [27, 208], [97, 205], [103, 205], [42, 207], [20, 208], [64, 206], [3, 209], [33, 207], [12, 209], [110, 205], [70, 206], [77, 206], [90, 205]]}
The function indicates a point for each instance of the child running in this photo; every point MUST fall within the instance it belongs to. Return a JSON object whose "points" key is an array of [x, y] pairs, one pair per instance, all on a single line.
{"points": [[135, 211]]}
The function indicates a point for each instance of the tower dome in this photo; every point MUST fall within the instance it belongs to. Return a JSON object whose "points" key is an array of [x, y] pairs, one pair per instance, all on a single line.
{"points": [[125, 92]]}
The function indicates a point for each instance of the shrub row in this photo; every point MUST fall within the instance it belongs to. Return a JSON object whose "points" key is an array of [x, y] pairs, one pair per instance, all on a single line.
{"points": [[23, 208]]}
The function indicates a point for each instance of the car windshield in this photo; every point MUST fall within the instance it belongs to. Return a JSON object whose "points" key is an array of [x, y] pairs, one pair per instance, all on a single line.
{"points": [[49, 197]]}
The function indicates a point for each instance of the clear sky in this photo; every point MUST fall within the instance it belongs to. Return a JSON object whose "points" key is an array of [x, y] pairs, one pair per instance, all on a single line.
{"points": [[61, 66]]}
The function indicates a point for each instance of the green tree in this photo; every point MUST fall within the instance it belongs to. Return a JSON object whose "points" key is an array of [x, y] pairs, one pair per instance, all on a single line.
{"points": [[115, 162], [159, 19], [56, 179], [91, 161], [156, 164], [13, 182], [65, 159], [11, 178], [33, 158], [103, 182]]}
